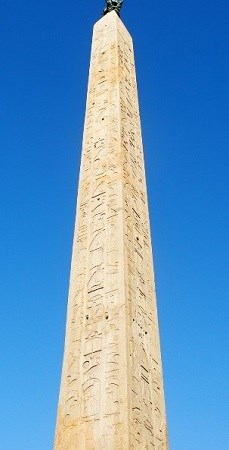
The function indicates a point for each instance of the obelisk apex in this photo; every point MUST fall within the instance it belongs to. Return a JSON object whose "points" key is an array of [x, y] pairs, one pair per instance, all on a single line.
{"points": [[111, 394]]}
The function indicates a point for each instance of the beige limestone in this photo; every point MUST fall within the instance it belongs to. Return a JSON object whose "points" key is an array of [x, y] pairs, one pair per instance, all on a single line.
{"points": [[111, 393]]}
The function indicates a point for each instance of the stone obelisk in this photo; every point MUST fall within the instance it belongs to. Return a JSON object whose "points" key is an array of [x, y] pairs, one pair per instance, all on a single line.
{"points": [[111, 394]]}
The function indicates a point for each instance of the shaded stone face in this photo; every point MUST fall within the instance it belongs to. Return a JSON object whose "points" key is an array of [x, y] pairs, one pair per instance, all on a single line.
{"points": [[111, 393]]}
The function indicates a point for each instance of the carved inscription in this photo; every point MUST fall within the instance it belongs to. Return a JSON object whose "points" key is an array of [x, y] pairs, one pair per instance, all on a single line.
{"points": [[148, 414]]}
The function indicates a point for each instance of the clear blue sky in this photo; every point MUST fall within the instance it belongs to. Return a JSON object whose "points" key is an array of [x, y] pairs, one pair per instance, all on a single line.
{"points": [[182, 59]]}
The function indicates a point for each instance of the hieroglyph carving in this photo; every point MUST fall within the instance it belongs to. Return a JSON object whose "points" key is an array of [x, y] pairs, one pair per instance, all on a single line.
{"points": [[111, 393]]}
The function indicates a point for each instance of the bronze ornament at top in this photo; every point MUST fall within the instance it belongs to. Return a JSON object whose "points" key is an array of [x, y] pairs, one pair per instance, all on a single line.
{"points": [[113, 5]]}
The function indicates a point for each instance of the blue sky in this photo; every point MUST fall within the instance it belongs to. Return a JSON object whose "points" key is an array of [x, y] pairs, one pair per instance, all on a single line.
{"points": [[182, 66]]}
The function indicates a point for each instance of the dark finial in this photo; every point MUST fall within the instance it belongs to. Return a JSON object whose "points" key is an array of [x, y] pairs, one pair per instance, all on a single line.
{"points": [[113, 5]]}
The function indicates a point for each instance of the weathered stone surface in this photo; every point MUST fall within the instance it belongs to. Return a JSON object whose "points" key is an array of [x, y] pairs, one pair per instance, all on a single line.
{"points": [[111, 393]]}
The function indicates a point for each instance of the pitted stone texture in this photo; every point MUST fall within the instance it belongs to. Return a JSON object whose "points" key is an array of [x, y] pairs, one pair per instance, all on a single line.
{"points": [[111, 393]]}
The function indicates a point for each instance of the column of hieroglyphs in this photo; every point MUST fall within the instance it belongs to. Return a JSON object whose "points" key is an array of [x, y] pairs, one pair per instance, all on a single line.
{"points": [[111, 390], [147, 396]]}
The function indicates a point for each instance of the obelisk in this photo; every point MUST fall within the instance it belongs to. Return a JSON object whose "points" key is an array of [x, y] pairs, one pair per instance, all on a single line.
{"points": [[111, 394]]}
